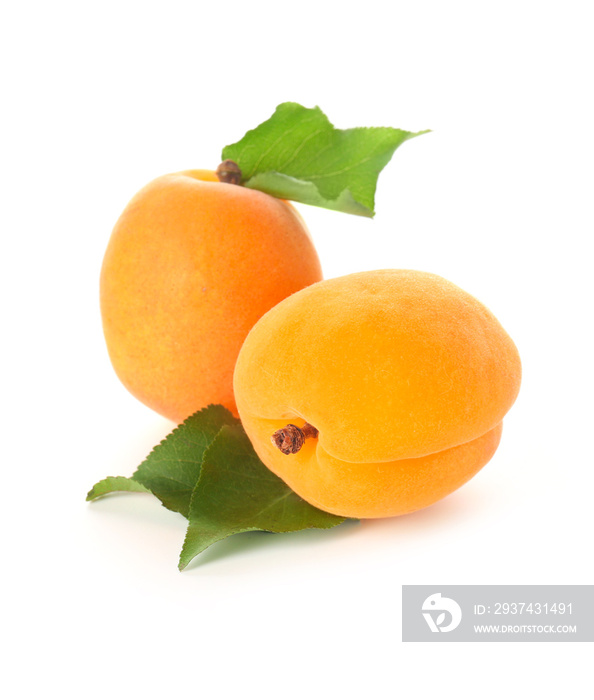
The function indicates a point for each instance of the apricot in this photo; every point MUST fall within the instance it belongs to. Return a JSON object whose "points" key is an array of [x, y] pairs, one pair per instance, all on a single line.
{"points": [[191, 265], [378, 393]]}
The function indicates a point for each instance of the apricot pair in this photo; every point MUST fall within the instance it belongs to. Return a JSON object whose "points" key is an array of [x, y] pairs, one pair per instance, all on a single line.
{"points": [[370, 395], [191, 265], [385, 391]]}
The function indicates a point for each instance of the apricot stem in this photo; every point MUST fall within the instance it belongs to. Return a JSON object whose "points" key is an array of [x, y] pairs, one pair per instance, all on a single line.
{"points": [[290, 439], [229, 172]]}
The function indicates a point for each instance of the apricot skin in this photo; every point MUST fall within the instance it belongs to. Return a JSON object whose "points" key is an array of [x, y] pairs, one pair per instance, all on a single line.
{"points": [[406, 377], [191, 265]]}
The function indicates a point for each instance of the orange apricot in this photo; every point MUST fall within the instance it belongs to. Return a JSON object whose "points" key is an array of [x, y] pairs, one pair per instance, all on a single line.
{"points": [[378, 393], [191, 265]]}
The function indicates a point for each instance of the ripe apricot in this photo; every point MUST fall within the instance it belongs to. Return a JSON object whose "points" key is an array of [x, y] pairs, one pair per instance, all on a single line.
{"points": [[191, 265], [399, 379]]}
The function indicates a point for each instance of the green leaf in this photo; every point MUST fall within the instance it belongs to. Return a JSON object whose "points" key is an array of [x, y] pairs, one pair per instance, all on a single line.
{"points": [[172, 469], [207, 470], [237, 493], [297, 154], [115, 483]]}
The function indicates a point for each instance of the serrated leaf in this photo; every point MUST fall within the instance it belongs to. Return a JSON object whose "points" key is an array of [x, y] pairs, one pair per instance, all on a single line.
{"points": [[207, 470], [172, 469], [112, 484], [298, 154], [237, 493]]}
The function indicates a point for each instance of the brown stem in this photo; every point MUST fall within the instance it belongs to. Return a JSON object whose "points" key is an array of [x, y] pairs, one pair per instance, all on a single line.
{"points": [[229, 172], [290, 439]]}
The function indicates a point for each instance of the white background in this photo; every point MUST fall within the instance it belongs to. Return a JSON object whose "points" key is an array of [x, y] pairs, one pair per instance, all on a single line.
{"points": [[100, 98]]}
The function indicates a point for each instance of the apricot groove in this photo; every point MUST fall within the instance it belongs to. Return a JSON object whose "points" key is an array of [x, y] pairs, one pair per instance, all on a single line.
{"points": [[405, 376]]}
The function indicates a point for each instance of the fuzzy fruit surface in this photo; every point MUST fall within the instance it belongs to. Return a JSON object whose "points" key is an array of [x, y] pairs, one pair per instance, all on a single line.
{"points": [[191, 265], [405, 376]]}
